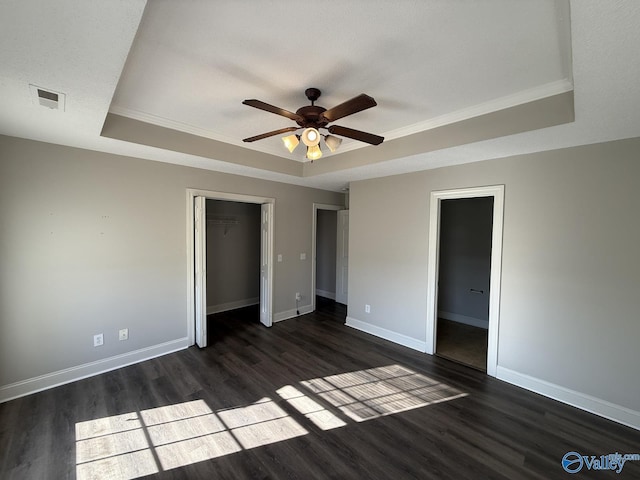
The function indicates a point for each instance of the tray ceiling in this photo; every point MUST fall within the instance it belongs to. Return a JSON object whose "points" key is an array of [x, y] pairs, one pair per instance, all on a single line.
{"points": [[455, 81]]}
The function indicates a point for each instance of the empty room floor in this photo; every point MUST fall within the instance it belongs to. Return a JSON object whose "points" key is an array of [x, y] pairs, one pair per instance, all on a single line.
{"points": [[308, 398]]}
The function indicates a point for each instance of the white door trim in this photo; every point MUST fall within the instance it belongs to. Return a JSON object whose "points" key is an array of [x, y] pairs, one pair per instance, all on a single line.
{"points": [[314, 231], [192, 193], [497, 192], [200, 232], [266, 264], [342, 257]]}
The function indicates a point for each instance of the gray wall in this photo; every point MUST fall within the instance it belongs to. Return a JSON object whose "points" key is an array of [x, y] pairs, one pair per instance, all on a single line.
{"points": [[233, 254], [326, 232], [569, 304], [465, 259], [92, 242]]}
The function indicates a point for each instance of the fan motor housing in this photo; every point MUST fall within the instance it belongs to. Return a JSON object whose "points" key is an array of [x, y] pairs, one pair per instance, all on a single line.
{"points": [[311, 115]]}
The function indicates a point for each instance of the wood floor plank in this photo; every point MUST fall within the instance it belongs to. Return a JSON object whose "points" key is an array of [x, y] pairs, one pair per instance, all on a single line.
{"points": [[308, 398]]}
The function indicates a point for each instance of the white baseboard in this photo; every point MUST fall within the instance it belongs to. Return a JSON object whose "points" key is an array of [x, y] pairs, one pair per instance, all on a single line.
{"points": [[394, 337], [455, 317], [225, 307], [68, 375], [287, 314], [325, 294], [603, 408]]}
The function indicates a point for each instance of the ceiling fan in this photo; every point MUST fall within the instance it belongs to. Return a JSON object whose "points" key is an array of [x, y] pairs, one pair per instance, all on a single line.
{"points": [[312, 117]]}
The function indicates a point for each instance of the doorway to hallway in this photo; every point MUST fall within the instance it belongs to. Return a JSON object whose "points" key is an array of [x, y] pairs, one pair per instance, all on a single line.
{"points": [[464, 289]]}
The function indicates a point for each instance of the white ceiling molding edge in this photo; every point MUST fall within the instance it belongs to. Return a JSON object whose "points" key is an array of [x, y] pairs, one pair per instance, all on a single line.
{"points": [[508, 101], [519, 98], [175, 125]]}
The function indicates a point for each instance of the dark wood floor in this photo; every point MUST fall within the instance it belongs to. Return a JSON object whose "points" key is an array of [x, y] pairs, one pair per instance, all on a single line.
{"points": [[462, 343], [307, 398]]}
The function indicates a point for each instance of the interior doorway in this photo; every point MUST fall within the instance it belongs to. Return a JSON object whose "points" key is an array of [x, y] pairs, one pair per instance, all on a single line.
{"points": [[326, 234], [464, 272], [197, 256], [323, 251], [233, 256], [470, 290]]}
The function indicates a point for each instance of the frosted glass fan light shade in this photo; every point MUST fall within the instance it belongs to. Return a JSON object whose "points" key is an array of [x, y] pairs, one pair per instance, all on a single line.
{"points": [[291, 142], [314, 152], [310, 137], [332, 142]]}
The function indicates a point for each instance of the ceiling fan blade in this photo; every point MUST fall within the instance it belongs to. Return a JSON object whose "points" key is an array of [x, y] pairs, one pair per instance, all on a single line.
{"points": [[356, 134], [270, 134], [270, 108], [355, 105]]}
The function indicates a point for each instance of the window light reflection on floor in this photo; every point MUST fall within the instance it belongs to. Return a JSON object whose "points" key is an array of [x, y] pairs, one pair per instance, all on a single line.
{"points": [[375, 392], [129, 446], [136, 444], [311, 409]]}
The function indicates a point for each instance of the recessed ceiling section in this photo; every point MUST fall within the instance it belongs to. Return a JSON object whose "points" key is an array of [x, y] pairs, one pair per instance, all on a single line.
{"points": [[441, 71], [434, 69], [135, 131], [543, 113]]}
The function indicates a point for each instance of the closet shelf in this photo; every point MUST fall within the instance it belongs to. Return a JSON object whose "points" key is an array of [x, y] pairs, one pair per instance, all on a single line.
{"points": [[221, 221]]}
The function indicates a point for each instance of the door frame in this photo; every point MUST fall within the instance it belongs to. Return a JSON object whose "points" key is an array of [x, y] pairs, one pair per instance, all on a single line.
{"points": [[192, 193], [314, 233], [342, 260], [200, 266], [497, 192], [266, 264]]}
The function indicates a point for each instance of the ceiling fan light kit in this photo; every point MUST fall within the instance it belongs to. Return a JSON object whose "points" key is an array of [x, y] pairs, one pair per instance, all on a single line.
{"points": [[291, 142], [310, 137], [332, 142], [314, 152], [312, 118]]}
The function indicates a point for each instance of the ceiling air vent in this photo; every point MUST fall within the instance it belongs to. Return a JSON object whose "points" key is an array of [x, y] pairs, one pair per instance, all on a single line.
{"points": [[47, 98]]}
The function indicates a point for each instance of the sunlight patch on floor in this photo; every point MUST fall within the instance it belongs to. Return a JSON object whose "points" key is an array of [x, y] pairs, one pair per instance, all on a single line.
{"points": [[261, 424], [113, 447], [129, 446], [375, 392], [135, 444], [320, 416]]}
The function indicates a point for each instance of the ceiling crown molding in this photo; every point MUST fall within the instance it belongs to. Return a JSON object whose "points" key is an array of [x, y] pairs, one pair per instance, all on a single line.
{"points": [[519, 98], [502, 103], [192, 129]]}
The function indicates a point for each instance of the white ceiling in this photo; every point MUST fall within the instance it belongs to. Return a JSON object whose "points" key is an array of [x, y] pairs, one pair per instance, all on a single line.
{"points": [[427, 63]]}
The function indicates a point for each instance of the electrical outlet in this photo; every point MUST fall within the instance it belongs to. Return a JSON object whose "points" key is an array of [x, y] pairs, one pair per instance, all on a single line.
{"points": [[367, 309], [303, 256], [298, 296], [98, 340], [123, 334]]}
